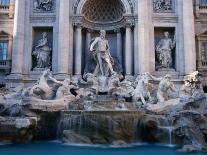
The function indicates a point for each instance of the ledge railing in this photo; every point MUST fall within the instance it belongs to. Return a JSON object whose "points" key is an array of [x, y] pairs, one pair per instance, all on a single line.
{"points": [[7, 9], [4, 9], [5, 64], [202, 64], [203, 8]]}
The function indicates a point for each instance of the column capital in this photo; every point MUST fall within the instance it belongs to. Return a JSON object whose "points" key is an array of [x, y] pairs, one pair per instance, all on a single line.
{"points": [[117, 30], [129, 20], [77, 21], [77, 25], [89, 30], [129, 25]]}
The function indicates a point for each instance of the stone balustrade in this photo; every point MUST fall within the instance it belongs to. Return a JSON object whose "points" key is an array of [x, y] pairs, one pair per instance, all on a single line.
{"points": [[5, 64], [7, 9], [4, 9], [202, 64], [203, 8]]}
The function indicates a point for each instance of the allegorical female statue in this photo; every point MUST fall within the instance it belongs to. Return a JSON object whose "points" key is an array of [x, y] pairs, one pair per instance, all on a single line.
{"points": [[42, 53], [164, 51]]}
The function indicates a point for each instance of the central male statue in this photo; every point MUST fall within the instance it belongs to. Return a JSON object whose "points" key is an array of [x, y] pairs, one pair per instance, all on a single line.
{"points": [[102, 55]]}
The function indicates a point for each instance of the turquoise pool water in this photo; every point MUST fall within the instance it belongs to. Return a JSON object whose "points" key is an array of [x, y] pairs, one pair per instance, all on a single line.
{"points": [[54, 148]]}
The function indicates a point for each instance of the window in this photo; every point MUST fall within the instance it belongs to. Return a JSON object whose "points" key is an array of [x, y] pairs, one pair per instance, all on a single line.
{"points": [[203, 1], [204, 51], [3, 50], [4, 2]]}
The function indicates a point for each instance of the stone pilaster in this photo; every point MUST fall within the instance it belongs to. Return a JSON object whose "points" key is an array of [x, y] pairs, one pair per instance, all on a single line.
{"points": [[189, 36], [18, 41], [63, 40], [143, 36]]}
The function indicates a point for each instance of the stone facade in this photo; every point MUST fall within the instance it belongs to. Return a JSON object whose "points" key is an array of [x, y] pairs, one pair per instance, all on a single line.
{"points": [[134, 28]]}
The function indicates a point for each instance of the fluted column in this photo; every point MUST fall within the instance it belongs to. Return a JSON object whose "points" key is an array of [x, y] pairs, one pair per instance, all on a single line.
{"points": [[119, 45], [78, 50], [63, 40], [128, 51], [189, 37], [18, 35]]}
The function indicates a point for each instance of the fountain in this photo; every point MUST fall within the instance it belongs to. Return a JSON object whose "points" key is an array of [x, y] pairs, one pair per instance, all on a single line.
{"points": [[103, 107]]}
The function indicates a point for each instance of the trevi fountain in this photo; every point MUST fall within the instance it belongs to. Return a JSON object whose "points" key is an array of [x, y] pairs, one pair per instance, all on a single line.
{"points": [[102, 109]]}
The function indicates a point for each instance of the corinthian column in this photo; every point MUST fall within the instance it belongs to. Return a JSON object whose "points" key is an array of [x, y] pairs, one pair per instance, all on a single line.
{"points": [[18, 35], [87, 45], [63, 40], [119, 45], [128, 51], [78, 50]]}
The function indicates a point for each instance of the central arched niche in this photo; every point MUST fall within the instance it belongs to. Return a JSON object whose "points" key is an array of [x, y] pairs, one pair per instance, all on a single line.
{"points": [[110, 16], [103, 11]]}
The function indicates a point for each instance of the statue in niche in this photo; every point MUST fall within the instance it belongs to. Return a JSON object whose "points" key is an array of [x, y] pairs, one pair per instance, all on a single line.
{"points": [[45, 5], [42, 53], [102, 56], [162, 5], [164, 51]]}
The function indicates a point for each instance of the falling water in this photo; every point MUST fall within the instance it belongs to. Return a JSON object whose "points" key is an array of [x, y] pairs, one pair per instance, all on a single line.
{"points": [[110, 124], [169, 130], [167, 126]]}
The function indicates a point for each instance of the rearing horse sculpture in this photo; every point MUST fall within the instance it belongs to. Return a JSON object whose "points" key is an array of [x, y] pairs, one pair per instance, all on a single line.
{"points": [[143, 88], [42, 89]]}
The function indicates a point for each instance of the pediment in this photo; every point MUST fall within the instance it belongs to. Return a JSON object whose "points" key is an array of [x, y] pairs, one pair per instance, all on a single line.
{"points": [[4, 33]]}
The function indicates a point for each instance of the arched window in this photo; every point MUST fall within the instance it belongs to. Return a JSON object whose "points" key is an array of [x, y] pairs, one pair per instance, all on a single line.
{"points": [[4, 2]]}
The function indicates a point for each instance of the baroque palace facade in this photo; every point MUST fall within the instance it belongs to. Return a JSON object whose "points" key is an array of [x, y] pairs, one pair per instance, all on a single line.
{"points": [[155, 36]]}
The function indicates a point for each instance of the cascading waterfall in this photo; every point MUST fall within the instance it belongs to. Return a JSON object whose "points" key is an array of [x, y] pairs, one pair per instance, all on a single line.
{"points": [[110, 125], [166, 124]]}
